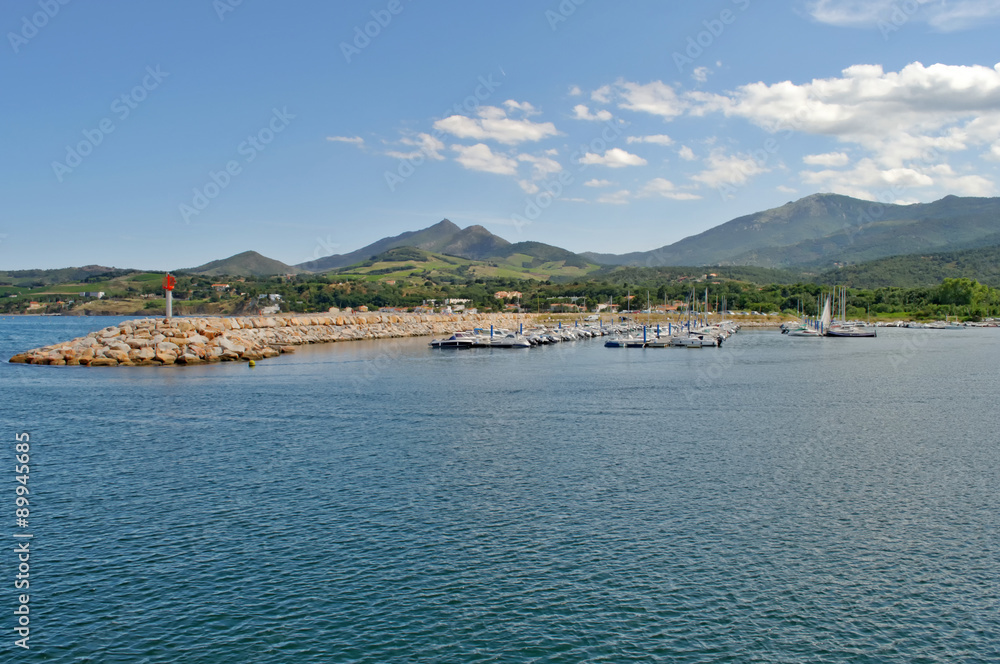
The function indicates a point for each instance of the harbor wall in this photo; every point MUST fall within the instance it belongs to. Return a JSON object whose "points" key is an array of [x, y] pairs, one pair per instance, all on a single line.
{"points": [[158, 341]]}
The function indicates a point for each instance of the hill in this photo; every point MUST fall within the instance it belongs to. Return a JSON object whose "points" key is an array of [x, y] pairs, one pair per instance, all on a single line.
{"points": [[433, 237], [473, 243], [37, 278], [409, 264], [917, 270], [246, 264]]}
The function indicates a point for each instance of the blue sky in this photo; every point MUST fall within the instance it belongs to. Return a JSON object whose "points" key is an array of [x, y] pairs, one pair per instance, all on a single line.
{"points": [[165, 135]]}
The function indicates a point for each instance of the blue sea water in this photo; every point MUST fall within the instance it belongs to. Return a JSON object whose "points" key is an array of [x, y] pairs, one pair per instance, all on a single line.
{"points": [[775, 500]]}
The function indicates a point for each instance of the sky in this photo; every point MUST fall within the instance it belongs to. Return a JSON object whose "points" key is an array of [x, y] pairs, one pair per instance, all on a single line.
{"points": [[153, 135]]}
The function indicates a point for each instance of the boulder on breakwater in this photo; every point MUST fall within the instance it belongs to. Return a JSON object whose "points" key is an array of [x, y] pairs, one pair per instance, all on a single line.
{"points": [[159, 341]]}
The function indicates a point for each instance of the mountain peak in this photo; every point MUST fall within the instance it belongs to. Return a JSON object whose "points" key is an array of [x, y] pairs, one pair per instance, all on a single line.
{"points": [[444, 225]]}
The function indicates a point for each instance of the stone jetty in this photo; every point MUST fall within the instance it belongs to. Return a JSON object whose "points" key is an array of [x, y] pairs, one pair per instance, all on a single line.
{"points": [[158, 341]]}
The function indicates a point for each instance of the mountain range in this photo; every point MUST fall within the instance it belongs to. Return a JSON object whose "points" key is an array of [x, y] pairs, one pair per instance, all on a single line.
{"points": [[823, 229], [814, 233]]}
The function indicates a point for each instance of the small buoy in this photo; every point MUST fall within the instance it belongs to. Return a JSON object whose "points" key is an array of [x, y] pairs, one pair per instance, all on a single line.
{"points": [[252, 363]]}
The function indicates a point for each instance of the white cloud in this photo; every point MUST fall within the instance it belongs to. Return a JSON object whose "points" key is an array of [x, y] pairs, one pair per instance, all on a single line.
{"points": [[602, 95], [666, 189], [826, 159], [866, 101], [427, 146], [575, 91], [528, 186], [541, 166], [732, 170], [597, 183], [700, 74], [480, 157], [913, 120], [353, 140], [786, 190], [493, 124], [867, 180], [613, 158], [581, 112], [522, 106], [686, 153], [943, 15], [656, 98], [620, 197], [656, 139]]}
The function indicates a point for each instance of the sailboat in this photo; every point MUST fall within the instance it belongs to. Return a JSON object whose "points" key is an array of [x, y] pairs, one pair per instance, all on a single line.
{"points": [[844, 329]]}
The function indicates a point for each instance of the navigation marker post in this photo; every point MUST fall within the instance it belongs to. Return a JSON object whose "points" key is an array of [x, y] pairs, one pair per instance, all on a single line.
{"points": [[169, 282]]}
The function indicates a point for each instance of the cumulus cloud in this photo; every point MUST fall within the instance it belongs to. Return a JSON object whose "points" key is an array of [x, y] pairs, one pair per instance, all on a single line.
{"points": [[522, 106], [581, 112], [425, 144], [686, 153], [480, 157], [656, 139], [656, 98], [575, 91], [731, 170], [826, 159], [943, 15], [613, 158], [601, 95], [597, 183], [911, 119], [541, 166], [700, 74], [865, 101], [493, 124], [867, 180]]}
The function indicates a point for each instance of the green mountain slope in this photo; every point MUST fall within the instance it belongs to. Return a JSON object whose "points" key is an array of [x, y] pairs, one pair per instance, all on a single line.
{"points": [[915, 270], [414, 265], [473, 243], [248, 263], [825, 228], [431, 238]]}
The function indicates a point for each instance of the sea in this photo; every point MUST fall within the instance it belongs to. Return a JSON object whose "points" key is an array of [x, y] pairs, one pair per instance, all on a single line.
{"points": [[774, 500]]}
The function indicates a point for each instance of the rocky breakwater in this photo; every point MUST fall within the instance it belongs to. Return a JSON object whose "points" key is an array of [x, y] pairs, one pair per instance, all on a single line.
{"points": [[149, 342]]}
